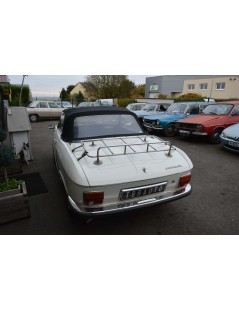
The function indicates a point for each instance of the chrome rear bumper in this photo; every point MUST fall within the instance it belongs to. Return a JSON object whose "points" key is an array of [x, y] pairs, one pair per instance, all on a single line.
{"points": [[124, 206]]}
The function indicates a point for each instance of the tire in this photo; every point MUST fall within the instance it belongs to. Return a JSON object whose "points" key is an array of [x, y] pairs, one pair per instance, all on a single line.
{"points": [[33, 118], [169, 130], [215, 136]]}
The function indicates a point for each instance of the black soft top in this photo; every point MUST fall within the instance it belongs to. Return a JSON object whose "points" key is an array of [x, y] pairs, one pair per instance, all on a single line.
{"points": [[72, 113], [76, 112]]}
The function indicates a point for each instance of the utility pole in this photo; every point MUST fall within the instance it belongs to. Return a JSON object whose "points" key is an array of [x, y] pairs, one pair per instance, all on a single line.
{"points": [[210, 95], [20, 97]]}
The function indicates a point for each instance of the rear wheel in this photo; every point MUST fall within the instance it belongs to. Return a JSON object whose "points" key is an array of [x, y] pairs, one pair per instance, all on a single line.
{"points": [[33, 118], [215, 136], [169, 131]]}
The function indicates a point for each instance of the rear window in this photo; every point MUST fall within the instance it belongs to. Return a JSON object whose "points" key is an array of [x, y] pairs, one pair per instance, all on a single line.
{"points": [[96, 126]]}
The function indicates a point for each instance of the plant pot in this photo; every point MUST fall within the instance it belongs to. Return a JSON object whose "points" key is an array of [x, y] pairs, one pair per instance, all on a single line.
{"points": [[14, 204], [11, 192]]}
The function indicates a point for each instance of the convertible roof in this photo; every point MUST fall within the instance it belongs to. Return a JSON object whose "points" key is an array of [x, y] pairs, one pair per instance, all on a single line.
{"points": [[76, 112], [72, 113]]}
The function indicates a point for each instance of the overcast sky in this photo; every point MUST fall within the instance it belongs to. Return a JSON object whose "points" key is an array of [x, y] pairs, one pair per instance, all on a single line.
{"points": [[51, 85]]}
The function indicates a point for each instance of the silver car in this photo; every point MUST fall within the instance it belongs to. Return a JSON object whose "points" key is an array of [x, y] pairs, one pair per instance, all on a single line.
{"points": [[230, 138], [44, 110]]}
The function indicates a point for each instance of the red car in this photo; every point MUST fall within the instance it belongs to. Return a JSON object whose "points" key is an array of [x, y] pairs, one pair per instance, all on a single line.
{"points": [[213, 120]]}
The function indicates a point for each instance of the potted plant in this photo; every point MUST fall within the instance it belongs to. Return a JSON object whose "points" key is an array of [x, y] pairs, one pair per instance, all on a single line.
{"points": [[13, 193]]}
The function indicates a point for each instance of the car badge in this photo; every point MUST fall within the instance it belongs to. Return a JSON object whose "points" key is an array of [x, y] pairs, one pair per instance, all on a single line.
{"points": [[144, 170]]}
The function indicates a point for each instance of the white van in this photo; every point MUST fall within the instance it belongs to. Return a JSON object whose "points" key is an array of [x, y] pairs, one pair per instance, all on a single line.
{"points": [[106, 102], [209, 100]]}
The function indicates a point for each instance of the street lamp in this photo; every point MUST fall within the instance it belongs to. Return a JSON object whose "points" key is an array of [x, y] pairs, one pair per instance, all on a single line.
{"points": [[210, 95], [20, 97]]}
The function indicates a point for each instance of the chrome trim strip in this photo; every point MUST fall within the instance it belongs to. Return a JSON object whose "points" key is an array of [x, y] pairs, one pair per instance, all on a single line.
{"points": [[152, 127], [187, 132], [197, 133]]}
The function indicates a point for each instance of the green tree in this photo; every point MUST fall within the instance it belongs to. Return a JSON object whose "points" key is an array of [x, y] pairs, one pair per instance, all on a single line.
{"points": [[108, 86], [79, 98], [126, 88], [138, 91], [15, 94], [64, 95], [69, 88]]}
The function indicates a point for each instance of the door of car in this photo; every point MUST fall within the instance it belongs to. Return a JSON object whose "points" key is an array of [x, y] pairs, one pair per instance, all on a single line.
{"points": [[54, 110], [235, 115], [42, 109]]}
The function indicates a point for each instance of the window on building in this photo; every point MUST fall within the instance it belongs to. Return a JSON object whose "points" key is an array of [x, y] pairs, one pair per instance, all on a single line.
{"points": [[203, 86], [191, 86], [220, 85]]}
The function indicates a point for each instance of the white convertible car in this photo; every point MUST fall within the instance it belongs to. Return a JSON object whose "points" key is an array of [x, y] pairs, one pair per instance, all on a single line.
{"points": [[108, 164]]}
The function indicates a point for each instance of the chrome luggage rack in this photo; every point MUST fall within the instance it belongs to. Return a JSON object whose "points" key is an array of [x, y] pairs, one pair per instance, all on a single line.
{"points": [[149, 148]]}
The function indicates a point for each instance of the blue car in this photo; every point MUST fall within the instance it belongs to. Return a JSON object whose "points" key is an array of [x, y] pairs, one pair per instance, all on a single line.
{"points": [[230, 138], [166, 122], [150, 109]]}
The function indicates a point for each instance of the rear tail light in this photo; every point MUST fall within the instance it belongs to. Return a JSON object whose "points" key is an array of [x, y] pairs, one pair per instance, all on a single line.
{"points": [[92, 198], [184, 180]]}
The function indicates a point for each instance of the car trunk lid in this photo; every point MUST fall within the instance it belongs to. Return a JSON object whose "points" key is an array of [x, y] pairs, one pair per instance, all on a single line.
{"points": [[129, 159]]}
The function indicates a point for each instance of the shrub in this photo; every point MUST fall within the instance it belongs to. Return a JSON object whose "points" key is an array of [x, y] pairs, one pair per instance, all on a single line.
{"points": [[7, 156], [12, 184], [124, 102]]}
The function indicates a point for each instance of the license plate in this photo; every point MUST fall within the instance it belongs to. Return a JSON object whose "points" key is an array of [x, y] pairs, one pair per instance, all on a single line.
{"points": [[142, 191], [235, 144], [184, 132]]}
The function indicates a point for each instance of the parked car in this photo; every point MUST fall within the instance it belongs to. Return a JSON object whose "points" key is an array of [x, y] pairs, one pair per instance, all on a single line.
{"points": [[211, 122], [43, 110], [230, 138], [108, 164], [166, 122], [136, 106], [151, 108]]}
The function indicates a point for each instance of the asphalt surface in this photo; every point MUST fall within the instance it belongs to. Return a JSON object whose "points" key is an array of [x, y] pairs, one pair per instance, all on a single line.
{"points": [[211, 209]]}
